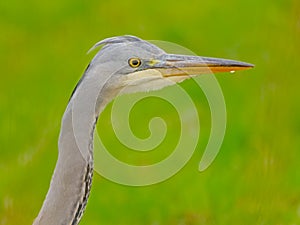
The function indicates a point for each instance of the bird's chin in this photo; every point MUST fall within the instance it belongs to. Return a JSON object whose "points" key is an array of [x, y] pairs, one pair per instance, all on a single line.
{"points": [[178, 79], [146, 84], [149, 80]]}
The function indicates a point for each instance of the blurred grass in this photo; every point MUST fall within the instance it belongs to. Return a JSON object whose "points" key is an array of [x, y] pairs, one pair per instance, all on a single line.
{"points": [[255, 178]]}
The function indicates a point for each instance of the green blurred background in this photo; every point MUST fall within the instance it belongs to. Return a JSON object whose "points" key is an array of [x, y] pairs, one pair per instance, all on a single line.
{"points": [[255, 178]]}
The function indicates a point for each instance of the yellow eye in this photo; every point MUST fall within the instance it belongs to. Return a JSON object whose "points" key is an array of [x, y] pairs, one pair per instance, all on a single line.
{"points": [[134, 62]]}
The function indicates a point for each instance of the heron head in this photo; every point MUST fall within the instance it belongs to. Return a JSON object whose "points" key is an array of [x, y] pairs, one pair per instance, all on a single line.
{"points": [[137, 65]]}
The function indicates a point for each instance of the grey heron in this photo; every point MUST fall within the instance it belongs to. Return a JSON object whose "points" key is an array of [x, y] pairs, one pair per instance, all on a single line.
{"points": [[124, 61]]}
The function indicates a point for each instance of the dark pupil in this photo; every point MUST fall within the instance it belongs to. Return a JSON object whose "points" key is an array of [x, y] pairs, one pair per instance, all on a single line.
{"points": [[135, 62]]}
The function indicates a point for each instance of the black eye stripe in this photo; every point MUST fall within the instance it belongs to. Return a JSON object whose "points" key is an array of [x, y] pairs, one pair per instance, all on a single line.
{"points": [[134, 62]]}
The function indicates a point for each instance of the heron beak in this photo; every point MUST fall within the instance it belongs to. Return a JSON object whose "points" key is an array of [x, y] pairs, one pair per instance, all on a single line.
{"points": [[171, 65]]}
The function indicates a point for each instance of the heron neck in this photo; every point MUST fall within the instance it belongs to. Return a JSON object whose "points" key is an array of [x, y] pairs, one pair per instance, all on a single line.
{"points": [[71, 182]]}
